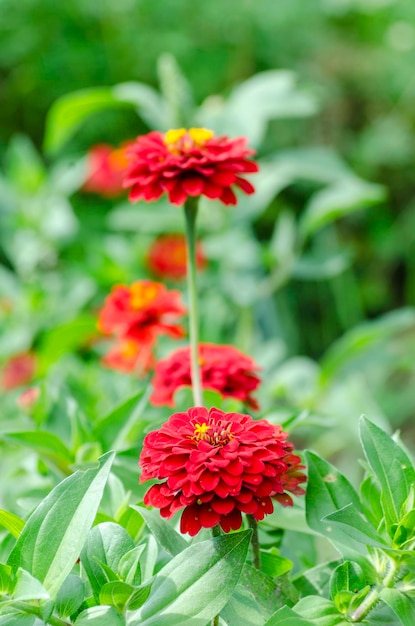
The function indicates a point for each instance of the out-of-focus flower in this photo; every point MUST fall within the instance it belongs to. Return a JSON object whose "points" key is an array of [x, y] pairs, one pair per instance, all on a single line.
{"points": [[142, 311], [218, 465], [186, 163], [223, 368], [129, 357], [28, 398], [106, 167], [167, 257], [18, 371]]}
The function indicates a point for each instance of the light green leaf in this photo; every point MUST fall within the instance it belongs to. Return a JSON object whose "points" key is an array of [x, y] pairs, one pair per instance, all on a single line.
{"points": [[116, 593], [99, 616], [402, 605], [115, 429], [105, 545], [53, 536], [70, 596], [196, 584], [47, 445], [28, 587], [391, 466], [165, 534], [320, 611], [287, 617], [11, 522], [129, 566], [356, 526]]}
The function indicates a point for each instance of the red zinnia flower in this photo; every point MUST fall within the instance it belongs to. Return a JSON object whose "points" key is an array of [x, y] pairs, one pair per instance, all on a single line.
{"points": [[28, 398], [217, 466], [222, 368], [18, 371], [167, 257], [106, 167], [142, 311], [129, 357], [186, 163]]}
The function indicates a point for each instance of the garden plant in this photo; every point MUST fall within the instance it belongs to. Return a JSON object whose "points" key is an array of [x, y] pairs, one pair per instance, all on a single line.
{"points": [[167, 457]]}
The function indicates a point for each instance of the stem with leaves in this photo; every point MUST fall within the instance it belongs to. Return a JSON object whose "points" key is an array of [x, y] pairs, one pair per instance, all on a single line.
{"points": [[256, 555], [190, 211]]}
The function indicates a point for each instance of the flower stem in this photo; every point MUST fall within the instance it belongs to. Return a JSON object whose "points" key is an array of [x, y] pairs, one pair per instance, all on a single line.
{"points": [[256, 555], [190, 211]]}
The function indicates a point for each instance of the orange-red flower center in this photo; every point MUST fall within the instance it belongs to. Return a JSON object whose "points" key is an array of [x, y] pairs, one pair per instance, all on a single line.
{"points": [[142, 295], [183, 140], [215, 434]]}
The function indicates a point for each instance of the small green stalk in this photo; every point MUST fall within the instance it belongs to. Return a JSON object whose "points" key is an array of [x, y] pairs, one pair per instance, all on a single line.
{"points": [[190, 211], [256, 555]]}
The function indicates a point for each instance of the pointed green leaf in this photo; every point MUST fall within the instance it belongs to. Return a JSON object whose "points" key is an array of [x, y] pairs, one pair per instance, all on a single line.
{"points": [[11, 522], [70, 596], [402, 605], [99, 616], [356, 526], [113, 430], [129, 566], [54, 535], [196, 584], [287, 617], [28, 588], [391, 466], [47, 445], [116, 594], [165, 534]]}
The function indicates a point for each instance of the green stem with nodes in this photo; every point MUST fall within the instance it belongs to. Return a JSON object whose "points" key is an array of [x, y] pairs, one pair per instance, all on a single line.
{"points": [[190, 211], [372, 597], [256, 555]]}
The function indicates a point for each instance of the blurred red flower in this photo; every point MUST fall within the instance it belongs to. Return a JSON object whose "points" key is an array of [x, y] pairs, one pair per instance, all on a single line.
{"points": [[106, 167], [167, 257], [28, 398], [18, 371], [186, 163], [223, 368], [217, 466], [129, 357], [142, 311]]}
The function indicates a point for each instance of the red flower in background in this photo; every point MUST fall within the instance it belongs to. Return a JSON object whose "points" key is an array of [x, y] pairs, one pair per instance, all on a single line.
{"points": [[185, 163], [167, 257], [106, 167], [217, 466], [141, 312], [18, 371], [129, 357], [223, 368], [28, 398]]}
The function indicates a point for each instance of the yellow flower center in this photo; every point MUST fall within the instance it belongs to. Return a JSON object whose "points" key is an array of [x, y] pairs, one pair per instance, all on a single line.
{"points": [[215, 434], [182, 139], [142, 295]]}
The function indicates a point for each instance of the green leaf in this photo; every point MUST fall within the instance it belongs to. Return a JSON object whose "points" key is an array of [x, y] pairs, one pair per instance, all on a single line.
{"points": [[356, 526], [196, 584], [27, 587], [114, 430], [401, 605], [99, 616], [348, 576], [65, 339], [47, 445], [328, 491], [70, 596], [165, 534], [5, 578], [273, 564], [320, 611], [129, 566], [105, 545], [11, 522], [16, 618], [147, 102], [71, 110], [53, 536], [391, 466], [338, 200], [116, 594], [287, 617]]}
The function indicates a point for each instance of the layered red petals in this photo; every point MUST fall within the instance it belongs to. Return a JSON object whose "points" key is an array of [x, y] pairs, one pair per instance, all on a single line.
{"points": [[212, 466], [223, 368], [106, 167], [192, 163]]}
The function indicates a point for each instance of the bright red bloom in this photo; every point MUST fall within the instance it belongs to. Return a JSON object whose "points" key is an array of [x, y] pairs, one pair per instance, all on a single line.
{"points": [[167, 257], [222, 368], [186, 163], [129, 357], [141, 312], [217, 466], [106, 167], [18, 371]]}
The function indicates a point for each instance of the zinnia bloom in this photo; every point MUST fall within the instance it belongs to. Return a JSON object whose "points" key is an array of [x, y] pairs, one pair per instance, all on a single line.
{"points": [[18, 371], [106, 167], [141, 312], [129, 357], [186, 163], [28, 398], [167, 257], [222, 368], [218, 465]]}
